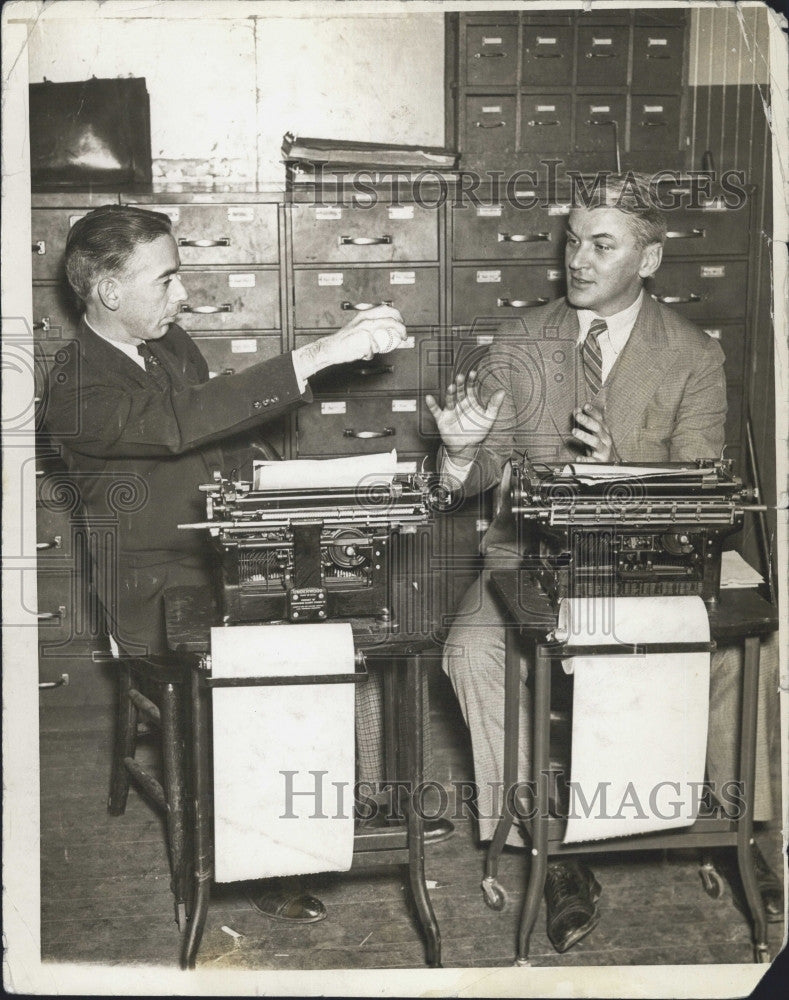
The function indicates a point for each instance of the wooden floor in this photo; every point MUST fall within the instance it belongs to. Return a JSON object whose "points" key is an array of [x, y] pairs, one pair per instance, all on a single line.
{"points": [[106, 899]]}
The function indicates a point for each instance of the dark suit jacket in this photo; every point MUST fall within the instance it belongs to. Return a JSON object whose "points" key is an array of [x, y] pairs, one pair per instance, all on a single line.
{"points": [[664, 399], [138, 453]]}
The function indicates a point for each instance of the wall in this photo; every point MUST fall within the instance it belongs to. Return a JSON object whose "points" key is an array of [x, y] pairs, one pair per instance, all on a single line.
{"points": [[224, 90]]}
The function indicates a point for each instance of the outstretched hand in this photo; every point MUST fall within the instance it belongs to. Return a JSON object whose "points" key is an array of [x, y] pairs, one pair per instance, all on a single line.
{"points": [[464, 422]]}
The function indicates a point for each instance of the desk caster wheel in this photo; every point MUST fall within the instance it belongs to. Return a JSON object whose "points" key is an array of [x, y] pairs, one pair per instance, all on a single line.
{"points": [[495, 896], [180, 916], [711, 880]]}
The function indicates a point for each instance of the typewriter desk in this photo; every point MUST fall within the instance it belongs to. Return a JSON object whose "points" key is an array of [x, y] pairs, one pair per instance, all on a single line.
{"points": [[738, 616], [190, 612]]}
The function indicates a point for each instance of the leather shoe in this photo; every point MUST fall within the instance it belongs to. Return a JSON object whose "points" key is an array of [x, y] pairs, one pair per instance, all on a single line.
{"points": [[284, 899], [571, 894]]}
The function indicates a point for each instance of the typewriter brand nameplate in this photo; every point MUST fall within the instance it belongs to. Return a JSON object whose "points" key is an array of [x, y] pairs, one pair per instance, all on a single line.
{"points": [[331, 407], [241, 280], [402, 277], [326, 213], [329, 278], [488, 277]]}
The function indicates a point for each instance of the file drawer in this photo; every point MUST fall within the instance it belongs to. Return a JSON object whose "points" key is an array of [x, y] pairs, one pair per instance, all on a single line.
{"points": [[55, 313], [228, 355], [54, 541], [223, 234], [700, 231], [547, 55], [57, 599], [330, 298], [594, 128], [491, 54], [504, 291], [602, 56], [700, 290], [657, 59], [415, 366], [502, 231], [545, 122], [377, 234], [363, 425], [50, 228], [731, 337], [654, 124], [230, 300], [489, 127]]}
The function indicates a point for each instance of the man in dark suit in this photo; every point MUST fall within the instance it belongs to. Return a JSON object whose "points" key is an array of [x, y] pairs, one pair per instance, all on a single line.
{"points": [[605, 375], [142, 426]]}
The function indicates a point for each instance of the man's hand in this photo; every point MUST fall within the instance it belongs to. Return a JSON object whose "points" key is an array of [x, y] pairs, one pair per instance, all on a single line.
{"points": [[377, 330], [594, 433], [464, 422]]}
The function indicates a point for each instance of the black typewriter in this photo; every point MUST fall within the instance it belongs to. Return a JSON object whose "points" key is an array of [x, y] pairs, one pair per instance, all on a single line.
{"points": [[627, 530]]}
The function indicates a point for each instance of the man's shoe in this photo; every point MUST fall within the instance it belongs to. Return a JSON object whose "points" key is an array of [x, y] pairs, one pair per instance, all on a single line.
{"points": [[284, 899], [772, 892], [437, 830], [571, 894]]}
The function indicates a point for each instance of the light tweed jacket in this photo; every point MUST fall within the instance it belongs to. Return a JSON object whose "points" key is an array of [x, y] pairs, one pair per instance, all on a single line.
{"points": [[664, 399]]}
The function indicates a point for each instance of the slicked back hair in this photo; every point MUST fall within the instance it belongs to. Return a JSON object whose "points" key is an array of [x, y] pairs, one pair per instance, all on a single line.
{"points": [[633, 195], [102, 242]]}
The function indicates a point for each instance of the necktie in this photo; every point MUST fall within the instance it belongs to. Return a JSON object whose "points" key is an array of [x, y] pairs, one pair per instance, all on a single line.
{"points": [[593, 357], [153, 366]]}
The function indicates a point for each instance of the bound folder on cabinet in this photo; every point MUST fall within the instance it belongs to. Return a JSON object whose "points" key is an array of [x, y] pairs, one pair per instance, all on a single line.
{"points": [[371, 155]]}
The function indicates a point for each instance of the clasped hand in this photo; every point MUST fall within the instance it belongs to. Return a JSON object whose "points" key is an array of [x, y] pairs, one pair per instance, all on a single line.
{"points": [[464, 422], [593, 432]]}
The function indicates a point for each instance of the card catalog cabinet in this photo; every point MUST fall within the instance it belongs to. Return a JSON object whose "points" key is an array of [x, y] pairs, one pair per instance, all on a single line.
{"points": [[525, 86]]}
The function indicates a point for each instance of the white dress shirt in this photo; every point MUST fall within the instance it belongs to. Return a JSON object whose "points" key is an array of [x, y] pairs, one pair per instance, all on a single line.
{"points": [[612, 343]]}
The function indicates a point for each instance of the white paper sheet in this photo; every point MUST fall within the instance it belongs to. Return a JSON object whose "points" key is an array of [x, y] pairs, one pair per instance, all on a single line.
{"points": [[639, 734], [260, 732], [322, 473]]}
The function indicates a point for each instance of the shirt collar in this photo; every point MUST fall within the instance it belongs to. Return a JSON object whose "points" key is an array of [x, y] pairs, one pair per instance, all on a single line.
{"points": [[619, 325]]}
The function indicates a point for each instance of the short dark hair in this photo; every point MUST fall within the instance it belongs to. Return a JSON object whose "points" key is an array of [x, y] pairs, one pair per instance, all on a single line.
{"points": [[633, 194], [102, 242]]}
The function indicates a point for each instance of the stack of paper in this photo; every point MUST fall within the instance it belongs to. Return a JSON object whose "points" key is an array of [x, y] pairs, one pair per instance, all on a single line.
{"points": [[735, 572]]}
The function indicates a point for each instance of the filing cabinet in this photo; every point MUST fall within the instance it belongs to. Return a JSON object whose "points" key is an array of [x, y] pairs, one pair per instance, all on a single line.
{"points": [[363, 234], [578, 73], [230, 300], [363, 425]]}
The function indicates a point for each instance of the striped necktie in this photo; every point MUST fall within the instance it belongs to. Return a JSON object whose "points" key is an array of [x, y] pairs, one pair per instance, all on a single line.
{"points": [[593, 357], [153, 366]]}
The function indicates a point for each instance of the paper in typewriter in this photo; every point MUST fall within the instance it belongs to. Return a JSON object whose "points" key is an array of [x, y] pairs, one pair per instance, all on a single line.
{"points": [[639, 732], [261, 732], [326, 473]]}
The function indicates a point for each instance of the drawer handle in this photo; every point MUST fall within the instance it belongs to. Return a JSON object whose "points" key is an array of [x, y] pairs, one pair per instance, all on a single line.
{"points": [[40, 247], [363, 306], [363, 368], [223, 241], [364, 241], [520, 303], [674, 299], [657, 55], [600, 55], [366, 435], [54, 544], [686, 234], [490, 124], [489, 55], [524, 237], [48, 685], [539, 121], [549, 55], [226, 307], [45, 324], [655, 121], [49, 616]]}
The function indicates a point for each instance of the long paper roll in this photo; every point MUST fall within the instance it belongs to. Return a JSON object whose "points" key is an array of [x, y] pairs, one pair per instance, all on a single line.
{"points": [[639, 732], [278, 750]]}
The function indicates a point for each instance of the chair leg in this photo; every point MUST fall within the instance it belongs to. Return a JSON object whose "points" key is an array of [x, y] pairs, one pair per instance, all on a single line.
{"points": [[125, 745], [171, 709]]}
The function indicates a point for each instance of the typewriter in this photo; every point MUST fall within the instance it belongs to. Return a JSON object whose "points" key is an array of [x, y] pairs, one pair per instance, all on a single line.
{"points": [[627, 530], [309, 555]]}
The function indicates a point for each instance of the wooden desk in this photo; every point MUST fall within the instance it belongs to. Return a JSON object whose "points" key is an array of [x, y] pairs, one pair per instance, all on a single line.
{"points": [[739, 616], [190, 613]]}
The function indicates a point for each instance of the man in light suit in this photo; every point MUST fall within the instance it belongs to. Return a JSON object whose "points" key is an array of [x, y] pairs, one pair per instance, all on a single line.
{"points": [[605, 375], [142, 426]]}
